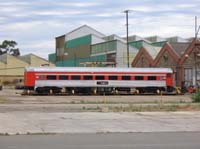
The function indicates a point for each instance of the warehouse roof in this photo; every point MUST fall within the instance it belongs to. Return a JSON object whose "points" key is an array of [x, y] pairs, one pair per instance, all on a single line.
{"points": [[152, 50], [155, 38], [179, 47]]}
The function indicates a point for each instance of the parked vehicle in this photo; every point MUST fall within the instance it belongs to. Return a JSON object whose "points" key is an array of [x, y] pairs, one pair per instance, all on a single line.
{"points": [[98, 80]]}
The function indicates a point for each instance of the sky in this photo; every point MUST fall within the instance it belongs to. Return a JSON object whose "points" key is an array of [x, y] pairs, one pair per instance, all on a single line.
{"points": [[34, 24]]}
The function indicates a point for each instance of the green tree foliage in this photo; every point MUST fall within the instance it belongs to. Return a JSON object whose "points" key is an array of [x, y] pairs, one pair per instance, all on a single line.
{"points": [[8, 46], [196, 96]]}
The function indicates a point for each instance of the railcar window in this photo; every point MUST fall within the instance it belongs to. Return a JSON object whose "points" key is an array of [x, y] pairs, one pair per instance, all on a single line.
{"points": [[51, 77], [41, 77], [112, 77], [87, 77], [63, 77], [151, 77], [99, 77], [126, 77], [76, 77], [139, 77]]}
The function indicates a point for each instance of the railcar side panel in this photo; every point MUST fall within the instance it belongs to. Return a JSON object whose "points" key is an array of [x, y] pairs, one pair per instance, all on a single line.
{"points": [[159, 78], [29, 79]]}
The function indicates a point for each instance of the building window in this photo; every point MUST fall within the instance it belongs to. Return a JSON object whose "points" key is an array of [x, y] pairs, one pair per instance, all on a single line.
{"points": [[151, 77], [99, 77], [112, 77], [126, 77], [63, 77], [76, 77], [139, 77], [51, 77], [87, 77], [165, 57]]}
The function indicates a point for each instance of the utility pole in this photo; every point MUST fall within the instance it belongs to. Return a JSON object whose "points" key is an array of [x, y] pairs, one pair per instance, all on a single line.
{"points": [[126, 12]]}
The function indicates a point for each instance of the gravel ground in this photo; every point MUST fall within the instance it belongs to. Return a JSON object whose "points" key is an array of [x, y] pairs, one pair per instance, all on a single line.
{"points": [[44, 123], [54, 114], [11, 96]]}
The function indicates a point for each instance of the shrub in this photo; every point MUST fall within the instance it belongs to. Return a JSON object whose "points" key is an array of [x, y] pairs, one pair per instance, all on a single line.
{"points": [[196, 96]]}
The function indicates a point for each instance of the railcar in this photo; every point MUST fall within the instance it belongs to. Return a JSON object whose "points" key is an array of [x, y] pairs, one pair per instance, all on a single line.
{"points": [[98, 80]]}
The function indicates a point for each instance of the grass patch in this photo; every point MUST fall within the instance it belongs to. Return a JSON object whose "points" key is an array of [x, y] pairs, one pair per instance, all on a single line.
{"points": [[196, 96], [155, 108]]}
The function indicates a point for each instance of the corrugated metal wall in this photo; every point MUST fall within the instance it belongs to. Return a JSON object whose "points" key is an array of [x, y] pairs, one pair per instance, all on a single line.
{"points": [[60, 47], [52, 58], [84, 40], [81, 51], [159, 44], [76, 62], [137, 44], [82, 31], [122, 54], [104, 47]]}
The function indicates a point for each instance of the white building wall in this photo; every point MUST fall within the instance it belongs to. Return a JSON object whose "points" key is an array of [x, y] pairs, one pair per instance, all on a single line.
{"points": [[82, 31], [121, 57], [96, 39]]}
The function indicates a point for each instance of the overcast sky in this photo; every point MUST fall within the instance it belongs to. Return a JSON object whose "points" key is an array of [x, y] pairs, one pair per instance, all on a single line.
{"points": [[34, 24]]}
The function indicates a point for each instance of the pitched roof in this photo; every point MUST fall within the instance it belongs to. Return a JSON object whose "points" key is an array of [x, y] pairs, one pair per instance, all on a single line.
{"points": [[5, 57], [176, 39], [27, 58], [134, 38], [114, 37], [152, 50], [179, 47], [155, 39], [85, 26]]}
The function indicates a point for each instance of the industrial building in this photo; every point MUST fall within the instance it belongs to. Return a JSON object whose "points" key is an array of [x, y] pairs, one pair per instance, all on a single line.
{"points": [[12, 68], [85, 46]]}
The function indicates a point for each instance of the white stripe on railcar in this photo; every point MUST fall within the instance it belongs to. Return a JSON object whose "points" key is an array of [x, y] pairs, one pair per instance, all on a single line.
{"points": [[90, 83]]}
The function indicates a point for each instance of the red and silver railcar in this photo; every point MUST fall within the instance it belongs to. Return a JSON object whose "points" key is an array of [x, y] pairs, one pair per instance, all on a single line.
{"points": [[98, 79]]}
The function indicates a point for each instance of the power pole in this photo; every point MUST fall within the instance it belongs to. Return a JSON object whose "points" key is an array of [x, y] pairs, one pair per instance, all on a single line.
{"points": [[126, 12]]}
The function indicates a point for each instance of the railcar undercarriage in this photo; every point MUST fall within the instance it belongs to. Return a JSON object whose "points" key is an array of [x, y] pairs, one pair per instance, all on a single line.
{"points": [[53, 90]]}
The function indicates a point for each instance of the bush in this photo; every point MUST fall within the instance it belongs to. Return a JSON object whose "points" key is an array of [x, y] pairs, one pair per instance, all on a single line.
{"points": [[196, 96]]}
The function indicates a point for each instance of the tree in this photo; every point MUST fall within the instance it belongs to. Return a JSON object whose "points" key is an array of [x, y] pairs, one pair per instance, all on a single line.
{"points": [[8, 46]]}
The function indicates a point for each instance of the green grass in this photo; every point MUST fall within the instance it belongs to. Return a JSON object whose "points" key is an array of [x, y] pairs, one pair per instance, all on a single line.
{"points": [[196, 96]]}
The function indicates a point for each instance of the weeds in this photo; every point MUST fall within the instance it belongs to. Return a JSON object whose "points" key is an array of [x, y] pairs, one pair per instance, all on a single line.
{"points": [[196, 96]]}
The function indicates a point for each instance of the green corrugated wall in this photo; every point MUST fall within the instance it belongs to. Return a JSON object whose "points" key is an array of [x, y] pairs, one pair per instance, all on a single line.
{"points": [[137, 44], [78, 41], [104, 47], [52, 57], [76, 62], [159, 44]]}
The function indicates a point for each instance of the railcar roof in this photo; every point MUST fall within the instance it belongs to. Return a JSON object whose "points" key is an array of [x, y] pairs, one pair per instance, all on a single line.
{"points": [[96, 69]]}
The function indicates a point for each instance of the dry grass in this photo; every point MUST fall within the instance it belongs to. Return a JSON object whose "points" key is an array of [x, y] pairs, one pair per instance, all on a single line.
{"points": [[3, 100]]}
